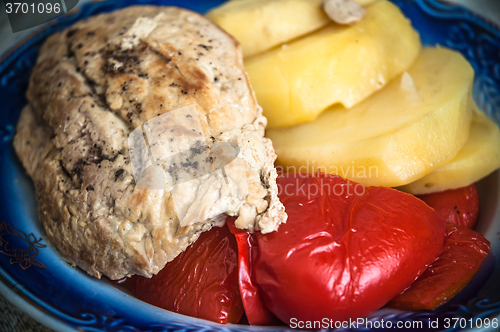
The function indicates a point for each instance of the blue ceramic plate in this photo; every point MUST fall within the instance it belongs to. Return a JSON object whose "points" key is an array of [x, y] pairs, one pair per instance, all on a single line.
{"points": [[35, 278]]}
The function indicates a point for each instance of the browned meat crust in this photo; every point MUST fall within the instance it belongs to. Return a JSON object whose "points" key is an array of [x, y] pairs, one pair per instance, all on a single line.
{"points": [[97, 81]]}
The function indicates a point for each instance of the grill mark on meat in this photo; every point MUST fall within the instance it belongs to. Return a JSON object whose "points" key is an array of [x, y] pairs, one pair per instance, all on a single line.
{"points": [[263, 182], [208, 48], [71, 33], [163, 56], [191, 78], [65, 171], [129, 60], [119, 173], [96, 154], [99, 98]]}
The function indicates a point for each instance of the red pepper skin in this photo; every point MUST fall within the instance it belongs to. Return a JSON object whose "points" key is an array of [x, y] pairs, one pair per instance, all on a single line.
{"points": [[459, 206], [201, 282], [343, 254], [255, 310], [463, 253]]}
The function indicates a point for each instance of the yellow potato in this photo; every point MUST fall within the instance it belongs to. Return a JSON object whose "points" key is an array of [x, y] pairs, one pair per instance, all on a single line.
{"points": [[338, 64], [478, 157], [365, 2], [414, 125], [260, 25]]}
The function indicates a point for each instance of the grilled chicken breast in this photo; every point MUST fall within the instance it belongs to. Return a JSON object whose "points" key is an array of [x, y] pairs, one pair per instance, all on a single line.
{"points": [[97, 82]]}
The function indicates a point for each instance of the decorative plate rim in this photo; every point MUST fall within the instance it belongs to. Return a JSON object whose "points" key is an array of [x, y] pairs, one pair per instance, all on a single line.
{"points": [[26, 302]]}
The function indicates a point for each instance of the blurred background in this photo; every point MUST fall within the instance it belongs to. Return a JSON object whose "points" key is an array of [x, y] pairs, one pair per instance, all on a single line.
{"points": [[12, 319]]}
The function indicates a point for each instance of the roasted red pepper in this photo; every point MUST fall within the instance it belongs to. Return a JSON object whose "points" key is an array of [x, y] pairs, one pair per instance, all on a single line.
{"points": [[256, 312], [463, 253], [345, 250], [459, 206], [201, 282]]}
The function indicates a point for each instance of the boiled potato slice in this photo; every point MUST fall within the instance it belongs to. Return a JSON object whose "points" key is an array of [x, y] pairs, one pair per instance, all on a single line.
{"points": [[479, 157], [365, 2], [414, 125], [260, 25], [296, 82]]}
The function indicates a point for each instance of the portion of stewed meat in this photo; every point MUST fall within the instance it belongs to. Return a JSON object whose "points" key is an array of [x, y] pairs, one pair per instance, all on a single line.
{"points": [[97, 82]]}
